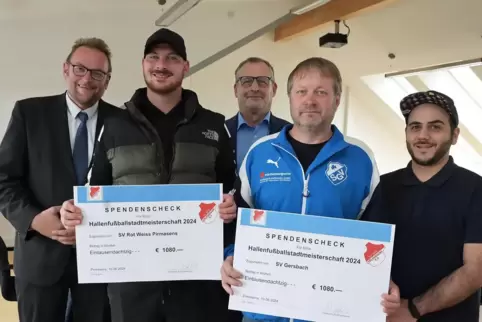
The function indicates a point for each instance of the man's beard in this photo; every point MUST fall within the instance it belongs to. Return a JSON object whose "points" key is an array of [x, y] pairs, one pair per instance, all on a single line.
{"points": [[164, 89], [439, 154]]}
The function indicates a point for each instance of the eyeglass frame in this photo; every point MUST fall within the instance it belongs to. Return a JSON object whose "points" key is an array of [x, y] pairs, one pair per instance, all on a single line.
{"points": [[88, 70], [255, 78]]}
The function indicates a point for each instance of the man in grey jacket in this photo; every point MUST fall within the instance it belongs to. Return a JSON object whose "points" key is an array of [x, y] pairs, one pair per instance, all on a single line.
{"points": [[164, 136]]}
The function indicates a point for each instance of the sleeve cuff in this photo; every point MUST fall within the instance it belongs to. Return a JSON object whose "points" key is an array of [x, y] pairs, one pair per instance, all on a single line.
{"points": [[24, 227], [229, 251]]}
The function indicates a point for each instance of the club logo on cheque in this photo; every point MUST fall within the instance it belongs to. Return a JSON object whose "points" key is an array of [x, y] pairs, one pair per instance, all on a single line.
{"points": [[207, 212], [374, 254], [94, 193], [258, 217]]}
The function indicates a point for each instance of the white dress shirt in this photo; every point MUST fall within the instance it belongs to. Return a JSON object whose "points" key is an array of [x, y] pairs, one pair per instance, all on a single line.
{"points": [[74, 123]]}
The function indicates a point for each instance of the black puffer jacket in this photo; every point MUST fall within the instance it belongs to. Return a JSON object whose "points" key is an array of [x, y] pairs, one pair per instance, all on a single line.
{"points": [[130, 150]]}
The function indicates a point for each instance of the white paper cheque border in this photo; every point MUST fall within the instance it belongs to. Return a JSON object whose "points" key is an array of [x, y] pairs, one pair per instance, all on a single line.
{"points": [[149, 233], [310, 267]]}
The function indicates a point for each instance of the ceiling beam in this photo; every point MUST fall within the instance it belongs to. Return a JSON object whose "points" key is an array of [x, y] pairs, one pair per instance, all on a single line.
{"points": [[333, 10]]}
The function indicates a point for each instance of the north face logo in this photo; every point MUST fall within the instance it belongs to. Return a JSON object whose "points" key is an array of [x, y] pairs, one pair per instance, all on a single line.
{"points": [[211, 135]]}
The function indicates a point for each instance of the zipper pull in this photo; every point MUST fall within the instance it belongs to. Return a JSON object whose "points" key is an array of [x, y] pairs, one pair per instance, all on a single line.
{"points": [[306, 192]]}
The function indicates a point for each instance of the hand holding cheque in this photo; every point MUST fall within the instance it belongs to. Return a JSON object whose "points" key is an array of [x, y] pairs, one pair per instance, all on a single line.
{"points": [[311, 268], [71, 216], [148, 233]]}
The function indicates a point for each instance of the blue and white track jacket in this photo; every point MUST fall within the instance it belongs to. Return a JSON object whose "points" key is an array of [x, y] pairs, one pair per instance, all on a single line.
{"points": [[339, 182]]}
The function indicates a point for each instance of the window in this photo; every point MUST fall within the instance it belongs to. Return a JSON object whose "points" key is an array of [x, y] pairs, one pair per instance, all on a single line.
{"points": [[462, 83]]}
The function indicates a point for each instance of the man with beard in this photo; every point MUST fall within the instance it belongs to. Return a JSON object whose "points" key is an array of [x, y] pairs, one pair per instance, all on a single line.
{"points": [[164, 136], [254, 88], [307, 165], [437, 209], [46, 150]]}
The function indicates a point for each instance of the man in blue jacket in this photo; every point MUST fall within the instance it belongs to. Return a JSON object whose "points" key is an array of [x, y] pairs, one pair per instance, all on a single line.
{"points": [[309, 167]]}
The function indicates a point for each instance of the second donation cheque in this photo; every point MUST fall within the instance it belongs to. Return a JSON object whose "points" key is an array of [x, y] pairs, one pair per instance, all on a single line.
{"points": [[149, 233], [310, 267]]}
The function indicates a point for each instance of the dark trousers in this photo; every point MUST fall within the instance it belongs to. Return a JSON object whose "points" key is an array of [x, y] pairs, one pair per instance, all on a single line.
{"points": [[186, 301], [235, 316], [48, 303]]}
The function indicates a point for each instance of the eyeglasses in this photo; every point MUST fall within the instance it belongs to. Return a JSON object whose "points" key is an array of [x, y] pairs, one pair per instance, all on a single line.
{"points": [[247, 81], [81, 71]]}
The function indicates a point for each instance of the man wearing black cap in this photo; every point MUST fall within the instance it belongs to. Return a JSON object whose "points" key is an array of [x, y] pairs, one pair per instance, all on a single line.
{"points": [[164, 136], [437, 209]]}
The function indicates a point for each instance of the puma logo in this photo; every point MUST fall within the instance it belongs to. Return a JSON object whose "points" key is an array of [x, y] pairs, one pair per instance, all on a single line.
{"points": [[274, 162]]}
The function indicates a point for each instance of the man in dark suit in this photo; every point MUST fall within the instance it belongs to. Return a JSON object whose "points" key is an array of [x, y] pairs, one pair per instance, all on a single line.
{"points": [[254, 88], [46, 151]]}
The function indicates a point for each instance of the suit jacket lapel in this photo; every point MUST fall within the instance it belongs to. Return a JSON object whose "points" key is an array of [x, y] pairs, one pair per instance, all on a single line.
{"points": [[233, 131], [100, 120], [61, 136], [272, 125], [101, 114], [275, 124]]}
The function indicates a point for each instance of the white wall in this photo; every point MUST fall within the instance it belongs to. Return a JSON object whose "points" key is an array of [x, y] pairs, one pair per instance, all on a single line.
{"points": [[7, 232], [214, 86], [35, 49]]}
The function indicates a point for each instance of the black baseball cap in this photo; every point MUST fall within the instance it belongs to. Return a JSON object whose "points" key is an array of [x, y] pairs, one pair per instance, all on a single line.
{"points": [[410, 102], [169, 37]]}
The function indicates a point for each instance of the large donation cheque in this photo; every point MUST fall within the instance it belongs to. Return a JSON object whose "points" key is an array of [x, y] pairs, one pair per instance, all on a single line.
{"points": [[149, 233], [311, 267]]}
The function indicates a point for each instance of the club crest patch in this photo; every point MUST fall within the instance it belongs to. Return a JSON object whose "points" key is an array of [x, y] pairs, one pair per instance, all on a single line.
{"points": [[336, 172]]}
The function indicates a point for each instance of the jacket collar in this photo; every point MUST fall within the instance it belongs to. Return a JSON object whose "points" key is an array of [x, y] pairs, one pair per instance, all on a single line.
{"points": [[74, 110], [241, 120], [410, 179], [334, 145], [189, 99]]}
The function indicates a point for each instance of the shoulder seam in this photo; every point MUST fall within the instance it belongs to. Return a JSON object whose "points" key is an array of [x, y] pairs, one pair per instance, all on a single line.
{"points": [[375, 176]]}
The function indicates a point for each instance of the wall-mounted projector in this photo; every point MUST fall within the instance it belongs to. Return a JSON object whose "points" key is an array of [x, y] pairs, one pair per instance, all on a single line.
{"points": [[334, 40]]}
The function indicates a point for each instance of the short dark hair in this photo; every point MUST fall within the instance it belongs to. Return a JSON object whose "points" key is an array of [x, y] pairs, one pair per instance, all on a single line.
{"points": [[92, 43], [324, 66], [254, 60]]}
